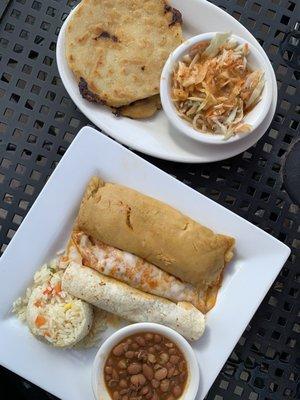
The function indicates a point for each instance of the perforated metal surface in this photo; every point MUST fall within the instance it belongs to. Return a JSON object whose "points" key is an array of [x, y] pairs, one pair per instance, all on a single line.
{"points": [[38, 121]]}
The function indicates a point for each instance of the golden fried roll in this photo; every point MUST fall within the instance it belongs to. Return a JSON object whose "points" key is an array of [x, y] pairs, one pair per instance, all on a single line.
{"points": [[128, 220]]}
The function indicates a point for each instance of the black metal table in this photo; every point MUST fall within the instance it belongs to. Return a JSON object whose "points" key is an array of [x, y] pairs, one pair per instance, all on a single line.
{"points": [[38, 121]]}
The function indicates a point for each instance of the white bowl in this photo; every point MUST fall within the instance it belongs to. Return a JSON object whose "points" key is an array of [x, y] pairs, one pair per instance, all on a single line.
{"points": [[255, 117], [98, 383]]}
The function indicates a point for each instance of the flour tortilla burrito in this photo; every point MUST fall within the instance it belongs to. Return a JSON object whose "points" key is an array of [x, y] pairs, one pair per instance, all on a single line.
{"points": [[130, 221], [132, 304], [130, 269]]}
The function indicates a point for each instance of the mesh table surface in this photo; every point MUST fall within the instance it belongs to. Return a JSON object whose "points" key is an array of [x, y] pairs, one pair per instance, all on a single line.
{"points": [[38, 121]]}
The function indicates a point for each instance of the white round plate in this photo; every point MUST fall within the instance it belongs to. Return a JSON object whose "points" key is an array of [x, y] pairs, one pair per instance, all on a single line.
{"points": [[156, 136]]}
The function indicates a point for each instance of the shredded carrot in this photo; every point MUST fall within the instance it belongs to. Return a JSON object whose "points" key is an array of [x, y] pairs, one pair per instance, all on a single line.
{"points": [[57, 288], [47, 334], [40, 321], [47, 291]]}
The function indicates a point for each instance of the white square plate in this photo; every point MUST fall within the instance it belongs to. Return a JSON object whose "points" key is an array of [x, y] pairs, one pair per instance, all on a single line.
{"points": [[44, 231]]}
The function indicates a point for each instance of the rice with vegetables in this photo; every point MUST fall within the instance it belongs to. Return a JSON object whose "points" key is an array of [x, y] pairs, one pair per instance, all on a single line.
{"points": [[55, 316], [213, 88]]}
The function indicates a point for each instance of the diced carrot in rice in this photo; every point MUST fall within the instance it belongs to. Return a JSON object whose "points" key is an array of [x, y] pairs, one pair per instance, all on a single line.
{"points": [[40, 321]]}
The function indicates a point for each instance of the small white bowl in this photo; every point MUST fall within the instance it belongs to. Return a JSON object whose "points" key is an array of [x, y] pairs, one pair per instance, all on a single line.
{"points": [[98, 383], [255, 117]]}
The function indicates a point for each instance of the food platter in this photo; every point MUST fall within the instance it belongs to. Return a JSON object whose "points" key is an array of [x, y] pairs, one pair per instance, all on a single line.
{"points": [[67, 374], [156, 136]]}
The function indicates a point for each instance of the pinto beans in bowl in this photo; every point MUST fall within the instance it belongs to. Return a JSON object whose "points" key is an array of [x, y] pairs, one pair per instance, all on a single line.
{"points": [[145, 361]]}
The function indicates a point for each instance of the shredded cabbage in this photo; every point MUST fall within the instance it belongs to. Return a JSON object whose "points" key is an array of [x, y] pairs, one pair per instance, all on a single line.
{"points": [[213, 49]]}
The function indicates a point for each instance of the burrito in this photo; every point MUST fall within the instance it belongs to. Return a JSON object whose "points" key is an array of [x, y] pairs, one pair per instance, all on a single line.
{"points": [[130, 303], [128, 220], [132, 270]]}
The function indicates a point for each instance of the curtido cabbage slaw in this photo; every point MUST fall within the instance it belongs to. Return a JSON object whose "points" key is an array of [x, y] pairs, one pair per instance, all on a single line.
{"points": [[213, 88]]}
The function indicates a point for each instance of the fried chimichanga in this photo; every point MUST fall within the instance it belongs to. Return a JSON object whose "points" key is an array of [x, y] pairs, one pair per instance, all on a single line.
{"points": [[128, 220]]}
